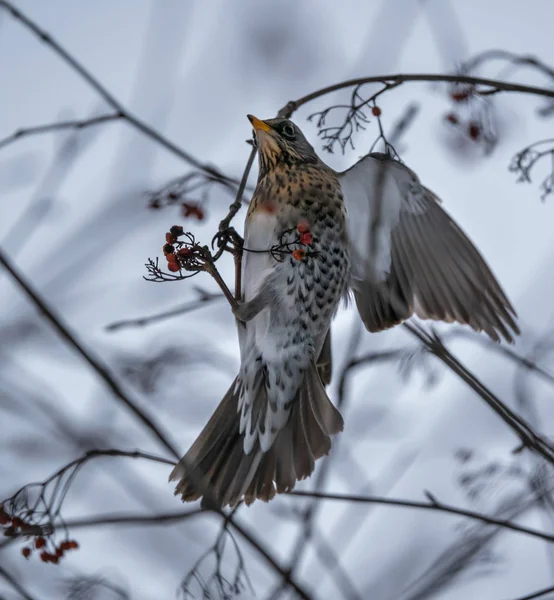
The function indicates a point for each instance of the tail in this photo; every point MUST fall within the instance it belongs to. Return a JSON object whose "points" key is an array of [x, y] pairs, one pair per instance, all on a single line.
{"points": [[217, 469]]}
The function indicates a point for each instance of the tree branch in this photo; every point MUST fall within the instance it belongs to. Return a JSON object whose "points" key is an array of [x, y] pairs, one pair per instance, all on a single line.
{"points": [[204, 299], [397, 79], [431, 505], [60, 125]]}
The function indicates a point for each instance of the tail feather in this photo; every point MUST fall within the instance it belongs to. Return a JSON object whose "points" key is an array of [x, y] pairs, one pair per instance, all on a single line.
{"points": [[221, 468]]}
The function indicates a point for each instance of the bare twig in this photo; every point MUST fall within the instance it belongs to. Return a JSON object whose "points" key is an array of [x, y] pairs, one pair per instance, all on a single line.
{"points": [[205, 298], [398, 79], [433, 505], [528, 437], [60, 125], [235, 206]]}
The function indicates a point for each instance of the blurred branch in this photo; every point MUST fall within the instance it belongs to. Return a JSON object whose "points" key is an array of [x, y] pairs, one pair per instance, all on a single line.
{"points": [[204, 298], [528, 437], [511, 57], [433, 504], [538, 594], [95, 363], [122, 112], [75, 124], [5, 574]]}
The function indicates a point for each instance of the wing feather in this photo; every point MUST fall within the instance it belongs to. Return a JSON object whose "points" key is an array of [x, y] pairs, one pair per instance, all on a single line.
{"points": [[410, 256]]}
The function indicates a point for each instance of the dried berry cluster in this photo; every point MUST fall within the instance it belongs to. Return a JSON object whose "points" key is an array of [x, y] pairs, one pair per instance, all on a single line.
{"points": [[179, 191], [173, 253], [50, 552], [472, 116]]}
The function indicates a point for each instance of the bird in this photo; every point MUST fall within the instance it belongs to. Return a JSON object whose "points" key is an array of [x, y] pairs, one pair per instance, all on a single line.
{"points": [[313, 237]]}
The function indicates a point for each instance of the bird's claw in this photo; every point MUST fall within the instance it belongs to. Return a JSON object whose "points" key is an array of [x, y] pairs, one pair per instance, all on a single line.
{"points": [[228, 240]]}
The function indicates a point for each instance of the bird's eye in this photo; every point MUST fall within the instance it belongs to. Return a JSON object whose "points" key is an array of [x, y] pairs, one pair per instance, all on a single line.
{"points": [[288, 131], [254, 140]]}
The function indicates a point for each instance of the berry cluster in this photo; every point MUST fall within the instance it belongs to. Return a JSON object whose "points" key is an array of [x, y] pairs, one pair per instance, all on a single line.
{"points": [[172, 253], [50, 553]]}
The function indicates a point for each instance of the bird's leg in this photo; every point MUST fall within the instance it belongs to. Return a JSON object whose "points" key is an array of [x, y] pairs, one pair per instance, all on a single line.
{"points": [[209, 267], [245, 311]]}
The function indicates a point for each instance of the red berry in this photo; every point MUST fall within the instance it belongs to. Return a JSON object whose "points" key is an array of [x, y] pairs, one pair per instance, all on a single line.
{"points": [[306, 238], [376, 111], [176, 230], [26, 552], [473, 130], [4, 517], [168, 249], [303, 227], [44, 556], [17, 522], [59, 552], [65, 546], [299, 254], [171, 258], [174, 267], [73, 544], [452, 118], [184, 252], [40, 543], [192, 210], [169, 238]]}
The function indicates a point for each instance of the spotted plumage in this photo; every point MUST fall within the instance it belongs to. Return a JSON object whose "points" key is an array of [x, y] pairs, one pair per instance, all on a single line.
{"points": [[311, 234]]}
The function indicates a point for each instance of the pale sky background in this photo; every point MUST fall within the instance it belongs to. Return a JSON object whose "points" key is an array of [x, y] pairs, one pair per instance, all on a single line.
{"points": [[193, 70]]}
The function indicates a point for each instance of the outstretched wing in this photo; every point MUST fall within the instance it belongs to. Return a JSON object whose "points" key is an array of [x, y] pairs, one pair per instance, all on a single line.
{"points": [[408, 255]]}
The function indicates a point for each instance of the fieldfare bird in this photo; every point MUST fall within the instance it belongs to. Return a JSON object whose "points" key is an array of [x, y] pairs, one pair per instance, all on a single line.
{"points": [[311, 235]]}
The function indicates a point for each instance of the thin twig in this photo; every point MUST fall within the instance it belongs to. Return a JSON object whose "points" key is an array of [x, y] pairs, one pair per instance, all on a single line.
{"points": [[538, 594], [204, 299], [285, 574], [522, 429], [60, 125], [236, 205], [399, 79], [431, 505]]}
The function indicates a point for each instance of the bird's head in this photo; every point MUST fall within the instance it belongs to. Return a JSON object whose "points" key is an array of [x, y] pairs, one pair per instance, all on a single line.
{"points": [[280, 142]]}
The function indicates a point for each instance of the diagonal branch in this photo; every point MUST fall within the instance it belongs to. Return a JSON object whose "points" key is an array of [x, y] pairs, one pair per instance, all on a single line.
{"points": [[122, 112], [537, 594], [528, 437], [5, 574]]}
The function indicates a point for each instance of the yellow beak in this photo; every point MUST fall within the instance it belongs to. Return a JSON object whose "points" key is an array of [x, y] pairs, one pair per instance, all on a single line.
{"points": [[258, 125]]}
